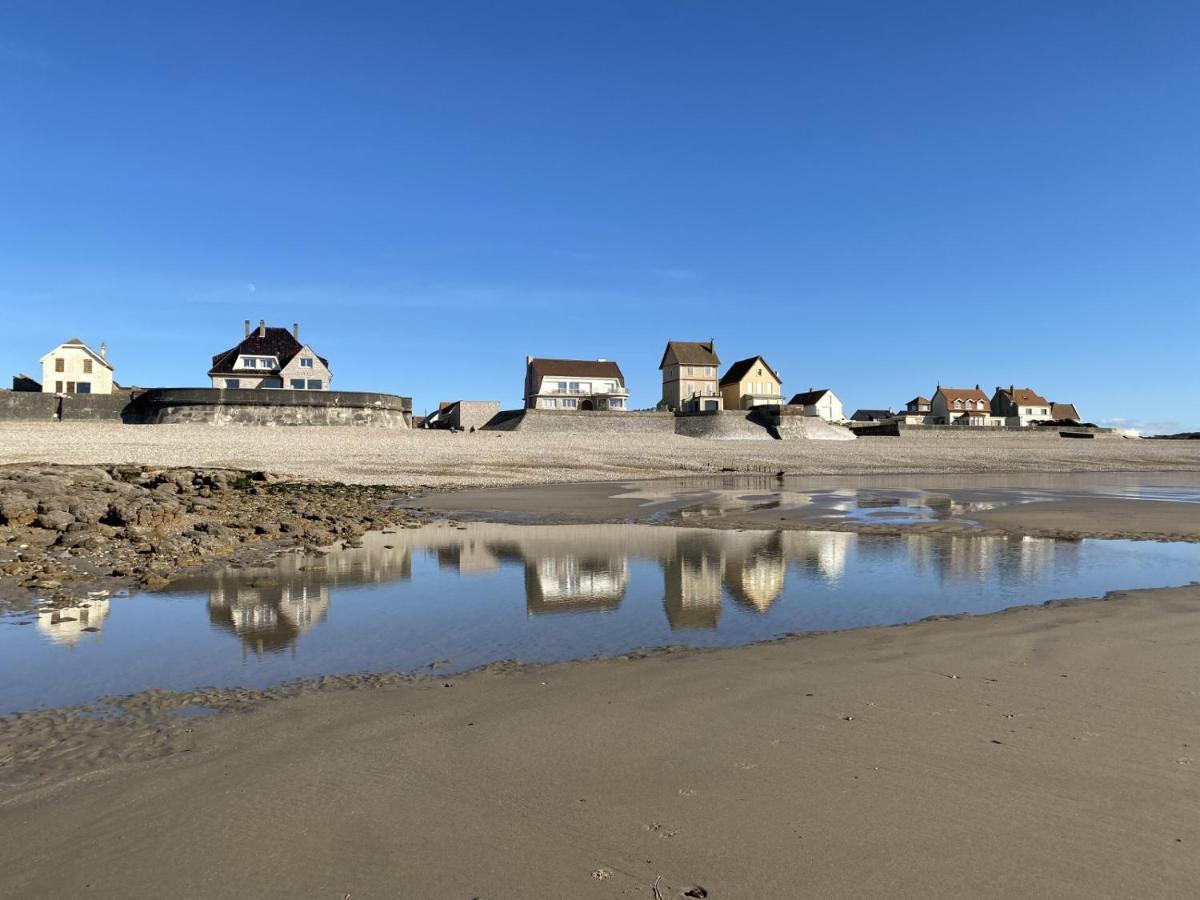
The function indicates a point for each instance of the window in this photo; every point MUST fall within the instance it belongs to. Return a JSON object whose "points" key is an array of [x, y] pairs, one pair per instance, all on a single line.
{"points": [[616, 403], [87, 367], [59, 364], [232, 383], [297, 384], [314, 384], [306, 362], [58, 387], [560, 387], [958, 404], [570, 403], [70, 387], [549, 403], [690, 372], [84, 387], [249, 362], [760, 373], [1045, 412]]}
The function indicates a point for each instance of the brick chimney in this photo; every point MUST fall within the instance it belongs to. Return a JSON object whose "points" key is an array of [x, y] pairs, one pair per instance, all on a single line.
{"points": [[247, 328], [296, 330], [262, 328]]}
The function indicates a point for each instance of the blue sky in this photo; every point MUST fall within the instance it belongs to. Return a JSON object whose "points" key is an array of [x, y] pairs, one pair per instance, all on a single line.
{"points": [[877, 196]]}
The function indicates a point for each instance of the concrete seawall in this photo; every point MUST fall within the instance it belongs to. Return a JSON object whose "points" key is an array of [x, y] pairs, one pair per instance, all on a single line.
{"points": [[548, 421], [166, 406], [724, 425]]}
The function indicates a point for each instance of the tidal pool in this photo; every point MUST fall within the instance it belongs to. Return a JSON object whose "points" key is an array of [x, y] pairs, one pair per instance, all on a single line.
{"points": [[447, 597]]}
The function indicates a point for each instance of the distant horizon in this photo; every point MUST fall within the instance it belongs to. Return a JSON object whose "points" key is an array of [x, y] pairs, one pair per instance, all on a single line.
{"points": [[875, 199]]}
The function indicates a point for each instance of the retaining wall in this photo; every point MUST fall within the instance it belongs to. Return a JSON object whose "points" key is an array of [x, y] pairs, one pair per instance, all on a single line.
{"points": [[995, 432], [214, 406], [723, 425], [550, 421]]}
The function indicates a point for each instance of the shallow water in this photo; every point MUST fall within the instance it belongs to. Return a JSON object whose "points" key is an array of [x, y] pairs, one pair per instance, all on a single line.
{"points": [[459, 597]]}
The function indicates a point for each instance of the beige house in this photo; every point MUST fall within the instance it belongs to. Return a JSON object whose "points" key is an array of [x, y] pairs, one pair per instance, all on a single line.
{"points": [[75, 368], [689, 370], [822, 403], [270, 358], [751, 382], [581, 385], [1020, 406], [961, 406]]}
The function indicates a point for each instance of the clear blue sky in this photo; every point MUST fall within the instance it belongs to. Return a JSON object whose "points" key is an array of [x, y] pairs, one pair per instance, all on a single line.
{"points": [[874, 195]]}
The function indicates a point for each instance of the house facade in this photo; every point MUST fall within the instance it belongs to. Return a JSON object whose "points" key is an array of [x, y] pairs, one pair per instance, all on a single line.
{"points": [[270, 358], [820, 402], [75, 368], [580, 385], [689, 371], [961, 406], [1020, 406], [749, 383]]}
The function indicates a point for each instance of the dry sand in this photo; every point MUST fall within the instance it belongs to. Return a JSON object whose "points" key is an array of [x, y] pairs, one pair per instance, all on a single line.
{"points": [[415, 458], [1038, 752]]}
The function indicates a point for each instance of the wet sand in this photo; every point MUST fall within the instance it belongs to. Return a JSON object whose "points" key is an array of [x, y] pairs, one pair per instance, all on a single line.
{"points": [[1068, 506], [1036, 752]]}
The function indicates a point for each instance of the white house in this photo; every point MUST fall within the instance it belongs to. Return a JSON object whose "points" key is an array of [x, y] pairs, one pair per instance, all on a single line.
{"points": [[1021, 406], [961, 406], [270, 358], [75, 368], [822, 402], [583, 385]]}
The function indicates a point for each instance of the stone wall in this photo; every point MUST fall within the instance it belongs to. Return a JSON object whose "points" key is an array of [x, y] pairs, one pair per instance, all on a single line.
{"points": [[724, 425], [995, 432], [468, 414], [170, 406], [164, 406], [552, 421]]}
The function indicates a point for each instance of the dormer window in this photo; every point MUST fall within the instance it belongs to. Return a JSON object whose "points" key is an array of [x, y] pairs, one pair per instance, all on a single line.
{"points": [[958, 404]]}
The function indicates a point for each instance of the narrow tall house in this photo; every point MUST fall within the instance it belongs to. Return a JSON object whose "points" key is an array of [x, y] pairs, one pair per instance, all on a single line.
{"points": [[75, 368], [689, 370], [582, 385], [270, 358], [749, 383]]}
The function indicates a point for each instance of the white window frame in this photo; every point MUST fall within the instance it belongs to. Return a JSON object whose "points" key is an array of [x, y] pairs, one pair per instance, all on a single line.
{"points": [[306, 362]]}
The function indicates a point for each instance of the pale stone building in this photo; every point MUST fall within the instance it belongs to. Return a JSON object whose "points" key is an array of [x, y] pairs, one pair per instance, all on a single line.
{"points": [[820, 402], [75, 368], [751, 382], [270, 358], [689, 370], [580, 385]]}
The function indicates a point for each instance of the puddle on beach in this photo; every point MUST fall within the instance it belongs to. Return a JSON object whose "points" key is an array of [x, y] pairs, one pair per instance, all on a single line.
{"points": [[448, 598]]}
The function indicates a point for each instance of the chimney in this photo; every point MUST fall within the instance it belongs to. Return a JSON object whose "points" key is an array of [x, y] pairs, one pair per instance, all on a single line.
{"points": [[296, 330], [528, 360], [601, 359], [103, 350], [262, 328], [247, 328]]}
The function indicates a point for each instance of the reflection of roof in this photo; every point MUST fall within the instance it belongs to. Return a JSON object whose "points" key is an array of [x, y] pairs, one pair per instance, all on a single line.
{"points": [[741, 368]]}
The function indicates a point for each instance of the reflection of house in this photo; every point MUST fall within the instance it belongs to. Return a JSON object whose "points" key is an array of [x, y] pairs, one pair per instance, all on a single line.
{"points": [[961, 406], [75, 368], [1020, 406], [689, 371], [574, 384], [692, 581], [821, 553], [751, 382], [754, 574], [574, 583], [820, 402], [270, 358], [68, 624], [268, 616]]}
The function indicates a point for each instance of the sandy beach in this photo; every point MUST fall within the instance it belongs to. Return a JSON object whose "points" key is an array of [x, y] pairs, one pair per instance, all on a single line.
{"points": [[439, 459], [1037, 751]]}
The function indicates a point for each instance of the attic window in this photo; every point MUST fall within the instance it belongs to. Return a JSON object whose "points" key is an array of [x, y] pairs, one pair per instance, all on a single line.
{"points": [[958, 404], [306, 362]]}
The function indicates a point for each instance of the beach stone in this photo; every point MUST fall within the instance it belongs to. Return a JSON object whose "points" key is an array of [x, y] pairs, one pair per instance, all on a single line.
{"points": [[55, 520]]}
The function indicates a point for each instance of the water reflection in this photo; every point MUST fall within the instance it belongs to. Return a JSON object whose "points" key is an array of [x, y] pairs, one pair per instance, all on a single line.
{"points": [[586, 568], [67, 625]]}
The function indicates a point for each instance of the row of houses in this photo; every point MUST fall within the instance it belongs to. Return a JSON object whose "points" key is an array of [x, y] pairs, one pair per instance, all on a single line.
{"points": [[691, 382], [276, 358], [1010, 406], [266, 357]]}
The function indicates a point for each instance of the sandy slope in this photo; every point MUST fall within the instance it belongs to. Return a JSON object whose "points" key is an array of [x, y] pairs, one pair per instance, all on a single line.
{"points": [[1038, 752], [494, 458]]}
